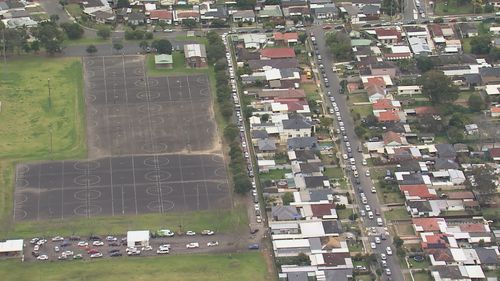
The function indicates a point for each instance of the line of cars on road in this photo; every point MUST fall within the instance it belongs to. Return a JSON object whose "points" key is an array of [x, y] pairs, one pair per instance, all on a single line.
{"points": [[240, 122]]}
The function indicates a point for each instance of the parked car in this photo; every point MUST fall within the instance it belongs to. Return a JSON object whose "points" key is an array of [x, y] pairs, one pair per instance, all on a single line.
{"points": [[193, 245], [42, 257], [373, 245], [212, 244], [389, 250], [253, 246], [57, 238], [116, 254], [78, 257], [97, 243], [190, 233], [96, 255], [162, 252], [207, 232]]}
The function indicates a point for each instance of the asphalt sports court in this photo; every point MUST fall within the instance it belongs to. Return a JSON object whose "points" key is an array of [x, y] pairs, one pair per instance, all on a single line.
{"points": [[153, 148]]}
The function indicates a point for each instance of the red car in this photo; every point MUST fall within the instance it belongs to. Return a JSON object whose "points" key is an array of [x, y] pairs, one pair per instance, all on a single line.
{"points": [[327, 27], [92, 251]]}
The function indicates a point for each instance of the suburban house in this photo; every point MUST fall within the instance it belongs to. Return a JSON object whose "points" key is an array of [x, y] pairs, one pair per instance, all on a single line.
{"points": [[286, 39], [276, 53], [247, 16], [388, 35], [196, 55], [161, 16]]}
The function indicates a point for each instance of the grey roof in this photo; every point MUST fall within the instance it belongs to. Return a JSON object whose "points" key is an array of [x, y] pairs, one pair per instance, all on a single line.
{"points": [[412, 179], [472, 78], [411, 165], [366, 2], [332, 226], [304, 155], [315, 181], [351, 10], [302, 143], [319, 1], [319, 194], [283, 213], [489, 71], [421, 206], [3, 6], [326, 8], [487, 256], [461, 147], [309, 167], [297, 276], [136, 17], [18, 13], [315, 243], [266, 145], [259, 134], [343, 274], [370, 9], [274, 63], [288, 72], [445, 164], [244, 14], [220, 12], [448, 271], [446, 150], [288, 3], [296, 122], [467, 27]]}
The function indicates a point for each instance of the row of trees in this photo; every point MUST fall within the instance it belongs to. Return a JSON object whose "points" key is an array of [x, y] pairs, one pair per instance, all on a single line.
{"points": [[216, 56], [340, 45]]}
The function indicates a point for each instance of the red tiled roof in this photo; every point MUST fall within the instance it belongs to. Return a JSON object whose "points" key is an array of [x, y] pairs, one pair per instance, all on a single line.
{"points": [[187, 14], [286, 36], [495, 152], [387, 32], [420, 190], [335, 258], [460, 195], [161, 14], [294, 105], [373, 89], [495, 109], [382, 104], [441, 254], [379, 81], [321, 210], [427, 224], [275, 53], [472, 227], [281, 93], [437, 241], [424, 110], [388, 116], [436, 29], [391, 136]]}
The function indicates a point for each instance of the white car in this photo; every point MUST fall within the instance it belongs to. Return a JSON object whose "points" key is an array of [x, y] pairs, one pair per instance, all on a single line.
{"points": [[67, 253], [344, 156], [83, 244], [193, 245], [96, 255], [111, 238], [364, 200], [168, 30], [212, 244], [388, 271], [207, 232], [367, 173], [364, 162], [374, 190], [98, 243], [56, 249], [36, 248], [389, 250], [162, 252], [373, 245], [147, 248], [377, 240], [384, 264], [367, 207], [42, 257], [190, 233], [41, 242], [57, 238], [383, 256], [164, 247], [256, 206]]}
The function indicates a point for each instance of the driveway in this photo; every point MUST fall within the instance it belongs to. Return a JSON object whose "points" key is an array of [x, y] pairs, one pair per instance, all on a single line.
{"points": [[365, 182]]}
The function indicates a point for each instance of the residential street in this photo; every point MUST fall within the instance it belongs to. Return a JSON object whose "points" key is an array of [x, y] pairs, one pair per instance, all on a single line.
{"points": [[366, 182]]}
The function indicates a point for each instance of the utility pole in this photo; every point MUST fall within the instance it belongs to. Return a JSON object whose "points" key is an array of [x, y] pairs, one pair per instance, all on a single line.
{"points": [[50, 135], [50, 100]]}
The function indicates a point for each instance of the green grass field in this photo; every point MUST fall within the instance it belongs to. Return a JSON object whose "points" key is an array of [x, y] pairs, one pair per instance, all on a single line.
{"points": [[28, 120], [453, 7], [219, 220], [216, 267], [396, 213]]}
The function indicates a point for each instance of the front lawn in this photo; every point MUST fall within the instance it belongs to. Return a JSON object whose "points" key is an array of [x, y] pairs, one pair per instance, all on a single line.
{"points": [[422, 276], [453, 7], [334, 172], [276, 174], [247, 266], [396, 213], [388, 197]]}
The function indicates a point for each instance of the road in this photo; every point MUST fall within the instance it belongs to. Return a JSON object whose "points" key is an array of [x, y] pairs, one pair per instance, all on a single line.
{"points": [[365, 182]]}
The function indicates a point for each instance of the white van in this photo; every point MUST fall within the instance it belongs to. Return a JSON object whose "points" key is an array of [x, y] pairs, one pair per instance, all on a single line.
{"points": [[370, 215], [380, 222]]}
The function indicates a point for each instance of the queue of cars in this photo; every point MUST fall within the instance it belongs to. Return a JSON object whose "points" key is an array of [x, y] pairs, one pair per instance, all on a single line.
{"points": [[240, 122]]}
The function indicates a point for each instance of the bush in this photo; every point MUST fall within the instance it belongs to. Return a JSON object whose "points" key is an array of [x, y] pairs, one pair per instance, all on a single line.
{"points": [[73, 30], [104, 32]]}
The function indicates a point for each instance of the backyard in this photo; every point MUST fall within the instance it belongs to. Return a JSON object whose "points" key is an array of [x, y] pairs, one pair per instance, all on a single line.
{"points": [[453, 7], [221, 267], [396, 213], [275, 174]]}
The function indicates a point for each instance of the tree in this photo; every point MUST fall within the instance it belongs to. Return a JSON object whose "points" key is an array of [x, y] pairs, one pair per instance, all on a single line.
{"points": [[264, 118], [35, 46], [325, 122], [303, 38], [189, 23], [54, 18], [287, 198], [483, 183], [455, 134], [104, 32], [231, 132], [438, 20], [424, 63], [218, 23], [438, 87], [480, 45], [390, 7], [162, 46], [241, 184], [143, 44], [215, 52], [360, 131], [73, 30], [398, 242], [91, 49], [49, 36], [117, 46], [245, 4], [475, 103], [340, 45], [122, 4]]}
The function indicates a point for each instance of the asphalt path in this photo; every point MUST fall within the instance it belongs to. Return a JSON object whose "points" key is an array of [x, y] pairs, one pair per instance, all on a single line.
{"points": [[365, 182]]}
